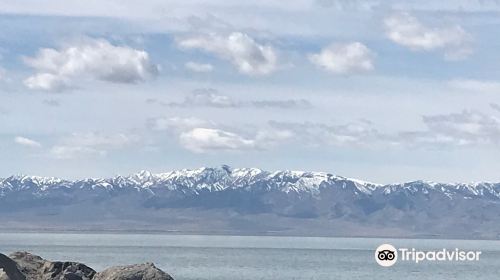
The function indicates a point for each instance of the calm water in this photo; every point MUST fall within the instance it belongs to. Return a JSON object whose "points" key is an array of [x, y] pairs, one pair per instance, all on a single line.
{"points": [[189, 257]]}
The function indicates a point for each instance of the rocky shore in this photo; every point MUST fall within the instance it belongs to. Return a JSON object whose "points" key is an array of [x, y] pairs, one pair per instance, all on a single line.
{"points": [[26, 266]]}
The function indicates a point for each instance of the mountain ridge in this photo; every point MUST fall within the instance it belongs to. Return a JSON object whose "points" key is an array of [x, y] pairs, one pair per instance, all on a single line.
{"points": [[251, 200], [146, 178]]}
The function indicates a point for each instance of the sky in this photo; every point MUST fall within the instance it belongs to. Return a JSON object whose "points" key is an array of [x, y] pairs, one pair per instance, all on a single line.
{"points": [[384, 91]]}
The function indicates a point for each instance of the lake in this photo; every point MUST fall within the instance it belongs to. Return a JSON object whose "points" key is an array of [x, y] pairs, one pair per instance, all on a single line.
{"points": [[204, 257]]}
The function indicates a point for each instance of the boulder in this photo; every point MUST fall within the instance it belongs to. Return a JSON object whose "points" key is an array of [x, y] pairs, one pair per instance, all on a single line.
{"points": [[146, 271], [26, 266], [9, 270], [33, 267]]}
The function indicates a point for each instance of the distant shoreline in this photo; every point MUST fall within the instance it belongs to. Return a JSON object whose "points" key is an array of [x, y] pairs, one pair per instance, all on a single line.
{"points": [[231, 233]]}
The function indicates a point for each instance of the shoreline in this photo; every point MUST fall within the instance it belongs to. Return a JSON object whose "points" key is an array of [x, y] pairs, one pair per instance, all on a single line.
{"points": [[235, 233]]}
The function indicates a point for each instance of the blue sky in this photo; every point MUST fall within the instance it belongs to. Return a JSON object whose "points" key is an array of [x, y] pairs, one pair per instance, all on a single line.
{"points": [[385, 91]]}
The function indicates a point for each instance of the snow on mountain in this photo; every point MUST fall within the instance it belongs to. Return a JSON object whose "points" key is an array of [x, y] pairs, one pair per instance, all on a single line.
{"points": [[250, 199], [222, 178]]}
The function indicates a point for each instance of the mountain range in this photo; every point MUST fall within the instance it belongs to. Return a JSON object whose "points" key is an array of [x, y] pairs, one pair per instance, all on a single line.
{"points": [[224, 200]]}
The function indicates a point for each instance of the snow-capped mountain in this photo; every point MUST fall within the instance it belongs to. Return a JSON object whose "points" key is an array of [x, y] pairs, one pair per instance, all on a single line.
{"points": [[188, 181], [252, 200]]}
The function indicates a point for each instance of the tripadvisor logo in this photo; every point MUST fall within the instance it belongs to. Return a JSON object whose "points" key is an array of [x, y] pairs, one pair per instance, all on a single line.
{"points": [[387, 255]]}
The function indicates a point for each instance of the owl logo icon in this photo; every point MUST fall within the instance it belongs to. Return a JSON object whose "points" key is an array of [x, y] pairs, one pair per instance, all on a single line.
{"points": [[386, 255]]}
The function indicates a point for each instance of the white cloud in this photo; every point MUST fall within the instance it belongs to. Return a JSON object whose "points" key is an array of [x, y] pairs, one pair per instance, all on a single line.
{"points": [[464, 129], [248, 56], [203, 136], [156, 8], [269, 137], [3, 73], [199, 67], [91, 144], [270, 16], [495, 107], [200, 140], [69, 152], [209, 98], [205, 98], [94, 139], [23, 141], [47, 81], [359, 133], [57, 69], [467, 127], [51, 102], [213, 99], [454, 130], [475, 85], [408, 31], [282, 104], [344, 58], [177, 124]]}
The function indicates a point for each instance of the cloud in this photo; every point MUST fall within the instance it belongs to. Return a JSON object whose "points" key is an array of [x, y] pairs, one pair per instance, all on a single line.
{"points": [[269, 137], [153, 9], [177, 124], [91, 144], [94, 139], [455, 130], [465, 128], [199, 67], [205, 98], [248, 56], [359, 133], [201, 140], [283, 104], [495, 107], [3, 73], [51, 102], [406, 30], [48, 82], [213, 99], [475, 85], [26, 142], [441, 131], [202, 136], [344, 58], [57, 69], [69, 152], [270, 16]]}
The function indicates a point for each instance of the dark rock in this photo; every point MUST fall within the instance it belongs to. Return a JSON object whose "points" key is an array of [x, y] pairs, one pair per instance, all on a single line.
{"points": [[35, 268], [145, 271], [67, 271], [9, 269], [26, 266], [30, 265]]}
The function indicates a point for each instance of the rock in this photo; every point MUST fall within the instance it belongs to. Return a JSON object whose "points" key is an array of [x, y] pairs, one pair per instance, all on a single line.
{"points": [[35, 268], [145, 271], [30, 265], [67, 271], [9, 270], [26, 266]]}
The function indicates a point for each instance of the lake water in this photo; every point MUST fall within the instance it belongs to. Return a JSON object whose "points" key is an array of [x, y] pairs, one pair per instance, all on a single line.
{"points": [[189, 257]]}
